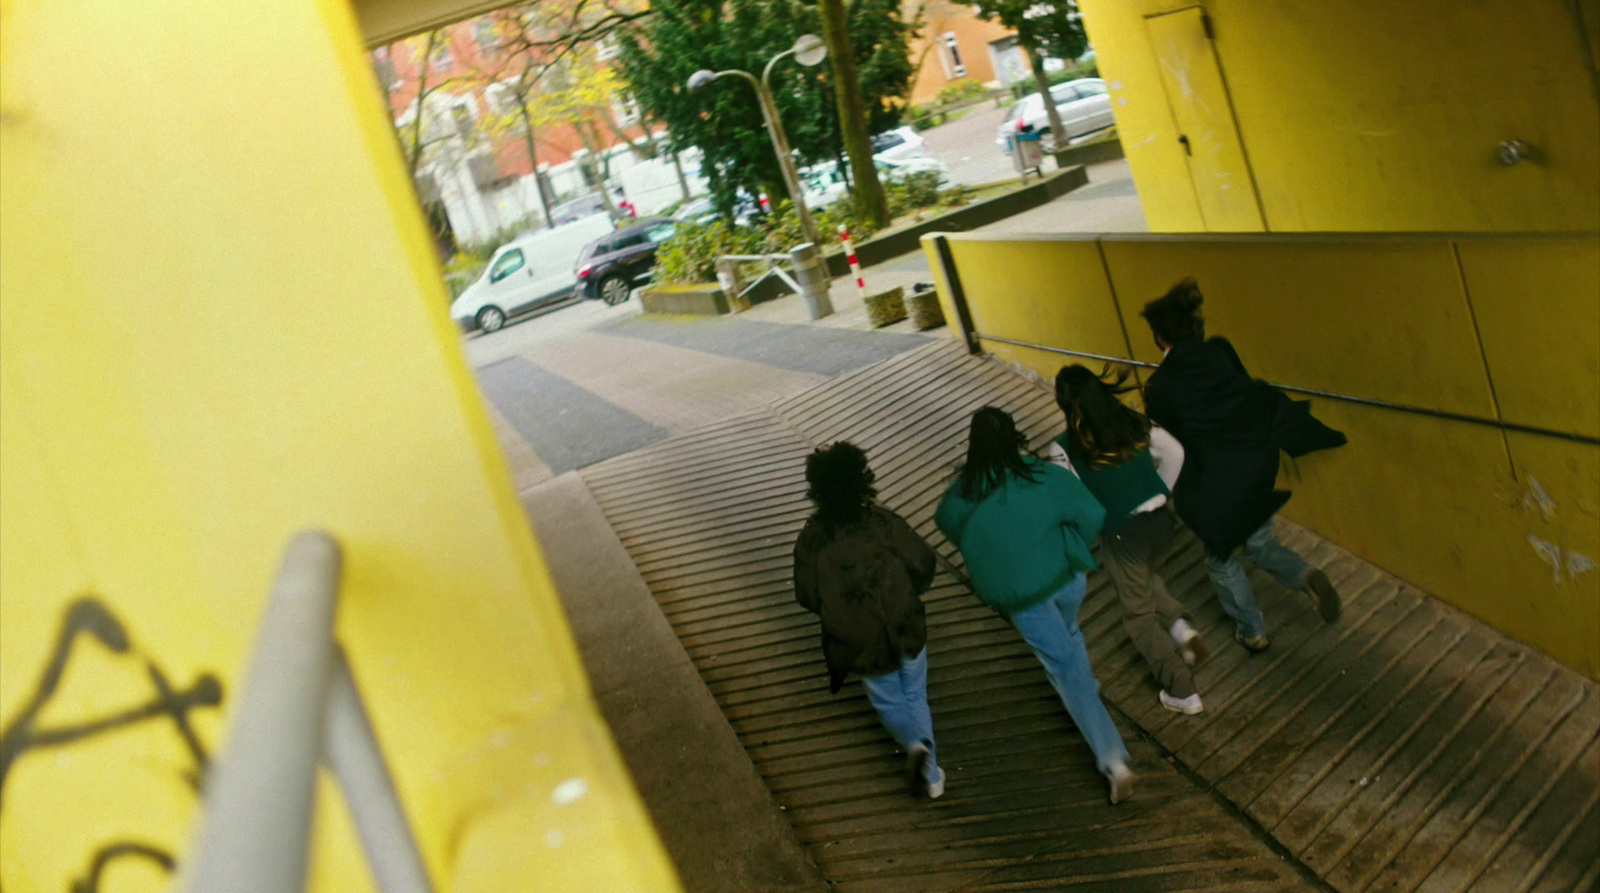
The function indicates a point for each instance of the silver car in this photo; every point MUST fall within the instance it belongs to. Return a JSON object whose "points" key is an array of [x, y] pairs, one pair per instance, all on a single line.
{"points": [[1083, 106]]}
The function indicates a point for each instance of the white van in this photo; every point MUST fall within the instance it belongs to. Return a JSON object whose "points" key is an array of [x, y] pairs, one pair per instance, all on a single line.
{"points": [[533, 269]]}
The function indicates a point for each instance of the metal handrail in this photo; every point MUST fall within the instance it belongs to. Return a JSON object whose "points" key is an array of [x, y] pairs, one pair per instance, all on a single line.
{"points": [[298, 705]]}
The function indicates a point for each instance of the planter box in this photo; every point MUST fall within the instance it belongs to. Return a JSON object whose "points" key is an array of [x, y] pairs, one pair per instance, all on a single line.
{"points": [[886, 307], [705, 299], [1089, 153], [878, 249], [925, 310]]}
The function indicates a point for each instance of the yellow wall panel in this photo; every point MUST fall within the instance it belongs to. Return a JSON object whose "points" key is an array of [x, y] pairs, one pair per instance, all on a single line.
{"points": [[1050, 292], [223, 323], [1374, 115], [1382, 319], [1451, 506], [1537, 302]]}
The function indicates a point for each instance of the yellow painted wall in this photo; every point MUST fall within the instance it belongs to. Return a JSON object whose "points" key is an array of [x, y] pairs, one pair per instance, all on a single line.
{"points": [[1496, 328], [1373, 115], [221, 323]]}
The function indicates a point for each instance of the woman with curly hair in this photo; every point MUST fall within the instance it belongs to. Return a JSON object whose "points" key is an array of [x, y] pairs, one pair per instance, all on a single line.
{"points": [[862, 570]]}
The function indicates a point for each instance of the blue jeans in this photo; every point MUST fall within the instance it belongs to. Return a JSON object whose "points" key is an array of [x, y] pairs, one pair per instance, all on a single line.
{"points": [[1233, 587], [901, 699], [1051, 629]]}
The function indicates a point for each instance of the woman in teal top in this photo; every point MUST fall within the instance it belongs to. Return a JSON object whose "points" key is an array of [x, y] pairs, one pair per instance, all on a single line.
{"points": [[1024, 527], [1130, 466]]}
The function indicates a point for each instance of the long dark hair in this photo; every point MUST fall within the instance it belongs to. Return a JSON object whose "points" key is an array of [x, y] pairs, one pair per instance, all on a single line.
{"points": [[839, 482], [1175, 316], [995, 448], [1102, 429]]}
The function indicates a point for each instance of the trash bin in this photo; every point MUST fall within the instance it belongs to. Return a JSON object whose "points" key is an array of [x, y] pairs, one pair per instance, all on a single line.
{"points": [[1027, 152]]}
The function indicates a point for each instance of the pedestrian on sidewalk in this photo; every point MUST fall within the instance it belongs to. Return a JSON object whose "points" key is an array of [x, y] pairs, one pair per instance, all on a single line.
{"points": [[1231, 427], [862, 570], [1024, 527], [1131, 466]]}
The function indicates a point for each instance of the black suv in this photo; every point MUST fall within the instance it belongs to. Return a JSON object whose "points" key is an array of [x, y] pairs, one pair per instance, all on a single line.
{"points": [[610, 267]]}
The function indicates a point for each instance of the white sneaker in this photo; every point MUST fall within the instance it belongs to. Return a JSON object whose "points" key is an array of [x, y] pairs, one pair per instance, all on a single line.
{"points": [[1122, 779], [916, 761], [1190, 645], [1188, 706], [936, 787]]}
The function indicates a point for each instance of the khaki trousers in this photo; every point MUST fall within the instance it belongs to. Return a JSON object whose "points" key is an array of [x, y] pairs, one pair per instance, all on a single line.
{"points": [[1130, 556]]}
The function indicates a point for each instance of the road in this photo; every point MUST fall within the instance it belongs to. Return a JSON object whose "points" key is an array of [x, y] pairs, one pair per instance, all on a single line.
{"points": [[582, 382], [966, 145]]}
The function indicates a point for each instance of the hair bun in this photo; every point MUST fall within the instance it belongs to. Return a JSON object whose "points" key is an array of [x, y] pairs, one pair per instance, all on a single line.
{"points": [[1188, 293]]}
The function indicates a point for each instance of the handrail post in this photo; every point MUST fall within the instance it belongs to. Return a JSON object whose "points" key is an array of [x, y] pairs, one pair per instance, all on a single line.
{"points": [[355, 760], [254, 832]]}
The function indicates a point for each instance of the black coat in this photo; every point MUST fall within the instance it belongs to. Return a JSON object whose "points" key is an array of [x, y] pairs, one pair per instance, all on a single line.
{"points": [[1231, 428], [865, 580]]}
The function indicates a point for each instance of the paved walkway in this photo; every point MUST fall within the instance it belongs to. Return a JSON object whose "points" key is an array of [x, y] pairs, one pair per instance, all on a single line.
{"points": [[1407, 747]]}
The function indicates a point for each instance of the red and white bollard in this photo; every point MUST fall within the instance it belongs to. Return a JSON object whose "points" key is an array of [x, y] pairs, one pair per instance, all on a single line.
{"points": [[855, 265]]}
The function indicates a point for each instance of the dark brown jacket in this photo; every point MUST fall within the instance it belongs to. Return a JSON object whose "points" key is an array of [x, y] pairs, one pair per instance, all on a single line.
{"points": [[864, 580]]}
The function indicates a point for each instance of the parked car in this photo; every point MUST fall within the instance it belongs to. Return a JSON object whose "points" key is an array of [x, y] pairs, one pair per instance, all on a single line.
{"points": [[1083, 105], [899, 144], [532, 270], [610, 267], [824, 183], [704, 210], [590, 205]]}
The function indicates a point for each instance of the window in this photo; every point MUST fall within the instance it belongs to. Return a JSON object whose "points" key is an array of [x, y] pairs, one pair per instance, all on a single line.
{"points": [[624, 110], [1091, 88], [509, 263], [462, 116], [442, 60], [658, 234], [883, 142], [606, 48], [384, 66], [483, 33], [958, 68]]}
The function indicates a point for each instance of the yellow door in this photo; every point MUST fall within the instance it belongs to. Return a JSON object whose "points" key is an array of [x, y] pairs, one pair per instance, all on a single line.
{"points": [[1203, 117]]}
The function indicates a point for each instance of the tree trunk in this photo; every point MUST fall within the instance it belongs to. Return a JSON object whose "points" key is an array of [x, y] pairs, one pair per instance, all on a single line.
{"points": [[414, 154], [867, 196], [533, 161], [1058, 133], [683, 182], [599, 169]]}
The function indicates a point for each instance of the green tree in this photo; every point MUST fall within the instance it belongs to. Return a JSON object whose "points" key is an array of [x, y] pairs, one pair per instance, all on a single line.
{"points": [[724, 120], [1044, 27]]}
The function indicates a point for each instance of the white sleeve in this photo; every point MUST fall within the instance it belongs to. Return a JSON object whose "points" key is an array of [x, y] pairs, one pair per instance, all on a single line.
{"points": [[1168, 453], [1055, 455]]}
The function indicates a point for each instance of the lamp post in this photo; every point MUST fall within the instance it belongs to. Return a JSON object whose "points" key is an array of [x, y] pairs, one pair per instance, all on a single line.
{"points": [[808, 50]]}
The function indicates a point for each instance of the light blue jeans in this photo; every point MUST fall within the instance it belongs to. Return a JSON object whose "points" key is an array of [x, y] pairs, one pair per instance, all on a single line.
{"points": [[1051, 629], [1233, 586], [901, 699]]}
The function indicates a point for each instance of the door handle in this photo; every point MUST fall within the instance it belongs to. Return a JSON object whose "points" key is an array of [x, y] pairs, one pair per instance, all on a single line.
{"points": [[1185, 140]]}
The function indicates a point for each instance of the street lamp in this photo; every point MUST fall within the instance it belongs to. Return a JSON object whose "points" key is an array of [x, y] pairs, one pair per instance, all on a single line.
{"points": [[809, 50]]}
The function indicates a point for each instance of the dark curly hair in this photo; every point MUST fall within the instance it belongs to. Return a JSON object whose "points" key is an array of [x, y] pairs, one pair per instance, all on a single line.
{"points": [[839, 482], [1175, 316]]}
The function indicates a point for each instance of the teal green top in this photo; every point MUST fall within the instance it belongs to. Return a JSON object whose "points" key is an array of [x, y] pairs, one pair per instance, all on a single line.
{"points": [[1026, 539], [1120, 488]]}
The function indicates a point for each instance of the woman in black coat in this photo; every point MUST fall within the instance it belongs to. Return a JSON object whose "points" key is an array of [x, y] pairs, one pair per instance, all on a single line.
{"points": [[1231, 427]]}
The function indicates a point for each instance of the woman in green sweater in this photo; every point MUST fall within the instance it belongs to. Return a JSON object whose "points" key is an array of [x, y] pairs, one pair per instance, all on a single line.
{"points": [[1130, 466], [1024, 527]]}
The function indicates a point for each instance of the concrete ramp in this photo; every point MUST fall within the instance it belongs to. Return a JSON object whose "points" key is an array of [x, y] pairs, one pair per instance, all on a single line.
{"points": [[1407, 747]]}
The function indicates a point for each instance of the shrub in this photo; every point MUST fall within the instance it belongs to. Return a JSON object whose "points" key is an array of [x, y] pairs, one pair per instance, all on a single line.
{"points": [[690, 256], [955, 91]]}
